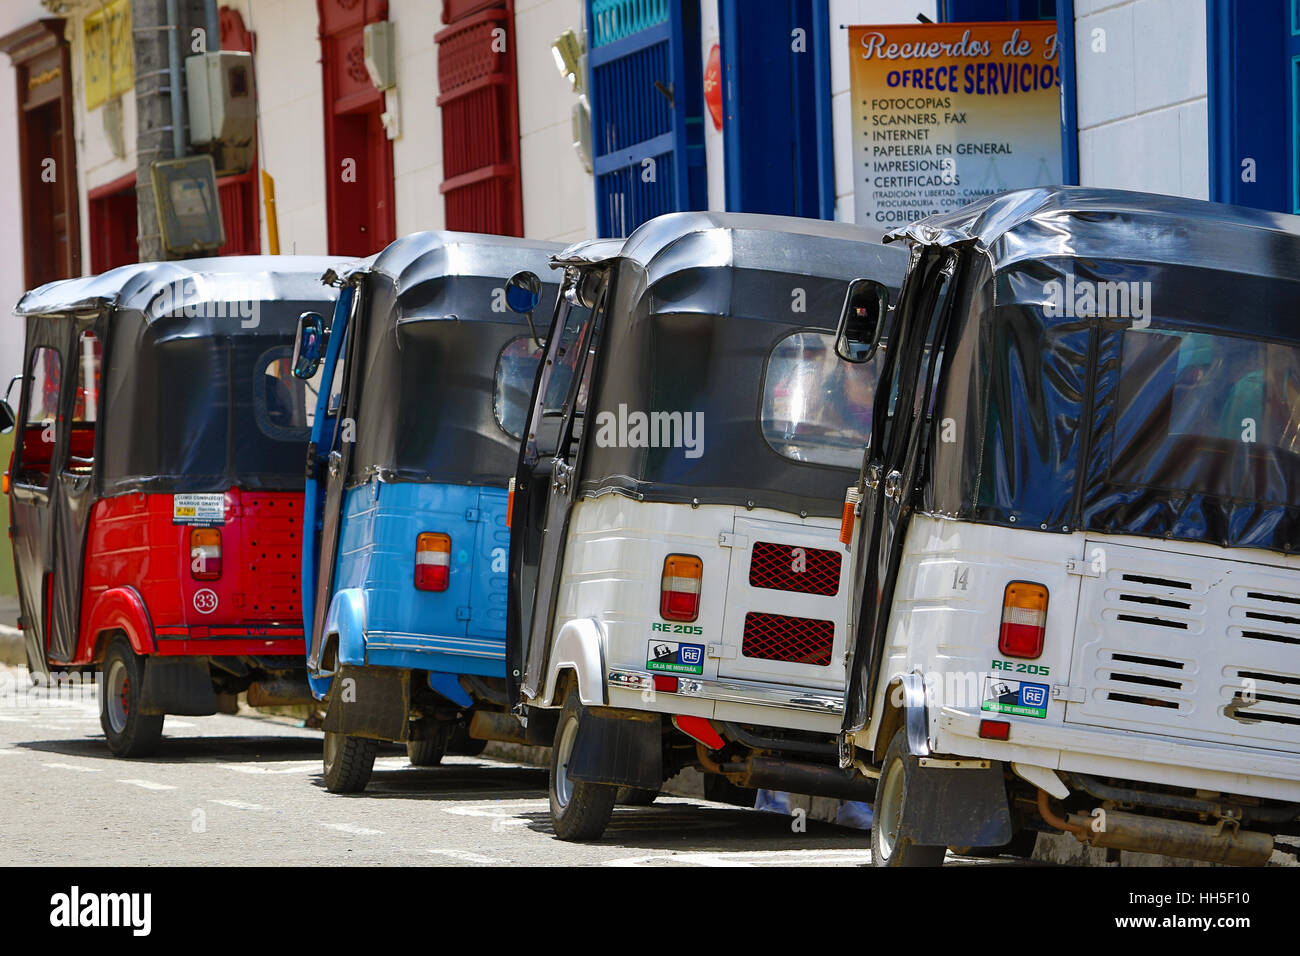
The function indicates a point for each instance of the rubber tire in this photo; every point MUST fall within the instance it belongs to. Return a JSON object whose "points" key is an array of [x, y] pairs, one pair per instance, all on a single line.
{"points": [[590, 805], [141, 733], [348, 762], [424, 753], [904, 852], [462, 744], [635, 797]]}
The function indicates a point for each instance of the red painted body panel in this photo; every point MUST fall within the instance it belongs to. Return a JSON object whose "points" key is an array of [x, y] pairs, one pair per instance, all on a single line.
{"points": [[137, 576]]}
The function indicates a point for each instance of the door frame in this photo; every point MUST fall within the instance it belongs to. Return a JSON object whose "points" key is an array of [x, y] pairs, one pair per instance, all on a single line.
{"points": [[535, 481], [894, 457]]}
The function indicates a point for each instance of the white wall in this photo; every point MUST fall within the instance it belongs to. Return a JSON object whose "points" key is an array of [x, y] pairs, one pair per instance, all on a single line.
{"points": [[291, 137], [846, 13], [559, 195], [97, 165], [417, 152], [1143, 114]]}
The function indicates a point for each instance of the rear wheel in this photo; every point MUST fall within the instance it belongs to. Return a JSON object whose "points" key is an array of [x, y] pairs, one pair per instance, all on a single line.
{"points": [[424, 753], [891, 832], [635, 797], [129, 732], [462, 744], [348, 762], [579, 810]]}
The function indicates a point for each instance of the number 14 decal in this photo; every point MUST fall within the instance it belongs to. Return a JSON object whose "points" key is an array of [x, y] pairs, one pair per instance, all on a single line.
{"points": [[960, 578]]}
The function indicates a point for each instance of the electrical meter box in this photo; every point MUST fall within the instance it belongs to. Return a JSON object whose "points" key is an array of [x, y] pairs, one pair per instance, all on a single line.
{"points": [[189, 210], [223, 107]]}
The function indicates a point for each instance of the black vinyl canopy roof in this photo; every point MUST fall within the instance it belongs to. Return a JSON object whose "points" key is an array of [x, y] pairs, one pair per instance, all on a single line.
{"points": [[1123, 363], [695, 305], [189, 398], [434, 325]]}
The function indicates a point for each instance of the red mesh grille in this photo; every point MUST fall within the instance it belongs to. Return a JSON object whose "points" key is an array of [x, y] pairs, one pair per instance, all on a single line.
{"points": [[794, 640], [810, 571]]}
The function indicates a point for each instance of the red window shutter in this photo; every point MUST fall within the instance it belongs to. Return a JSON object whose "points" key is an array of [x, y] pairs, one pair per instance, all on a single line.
{"points": [[479, 104], [238, 197]]}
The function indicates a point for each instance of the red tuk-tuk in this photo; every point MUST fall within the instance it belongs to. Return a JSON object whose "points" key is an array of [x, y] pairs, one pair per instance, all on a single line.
{"points": [[155, 489]]}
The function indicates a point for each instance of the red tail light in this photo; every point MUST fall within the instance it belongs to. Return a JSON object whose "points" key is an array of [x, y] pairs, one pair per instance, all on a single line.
{"points": [[1024, 620], [432, 562], [679, 590], [205, 554], [510, 502]]}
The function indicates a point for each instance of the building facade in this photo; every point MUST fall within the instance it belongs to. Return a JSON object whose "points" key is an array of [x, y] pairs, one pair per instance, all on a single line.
{"points": [[657, 105]]}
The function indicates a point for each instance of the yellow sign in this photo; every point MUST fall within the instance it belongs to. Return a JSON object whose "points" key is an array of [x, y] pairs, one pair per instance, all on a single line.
{"points": [[109, 54], [944, 114]]}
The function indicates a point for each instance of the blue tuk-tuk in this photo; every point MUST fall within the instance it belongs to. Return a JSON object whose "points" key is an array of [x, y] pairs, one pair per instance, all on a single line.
{"points": [[425, 378]]}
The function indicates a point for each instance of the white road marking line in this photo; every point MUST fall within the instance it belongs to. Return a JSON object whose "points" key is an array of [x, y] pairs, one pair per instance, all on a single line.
{"points": [[302, 767], [466, 856], [350, 828], [500, 818], [69, 766], [240, 805], [148, 784]]}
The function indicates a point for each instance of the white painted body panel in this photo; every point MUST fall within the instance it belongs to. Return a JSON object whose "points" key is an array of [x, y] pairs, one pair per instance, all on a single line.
{"points": [[610, 581], [1131, 698]]}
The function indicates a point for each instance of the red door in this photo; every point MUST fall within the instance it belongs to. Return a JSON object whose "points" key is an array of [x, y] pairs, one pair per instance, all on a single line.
{"points": [[358, 153]]}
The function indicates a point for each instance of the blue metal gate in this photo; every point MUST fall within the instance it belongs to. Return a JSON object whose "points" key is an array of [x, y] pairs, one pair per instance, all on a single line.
{"points": [[647, 111]]}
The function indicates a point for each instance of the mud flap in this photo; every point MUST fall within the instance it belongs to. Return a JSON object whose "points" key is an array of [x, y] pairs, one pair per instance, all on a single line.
{"points": [[952, 807], [369, 702], [539, 726], [623, 748], [177, 685]]}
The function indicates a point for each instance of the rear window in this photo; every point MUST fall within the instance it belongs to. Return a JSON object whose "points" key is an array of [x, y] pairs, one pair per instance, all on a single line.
{"points": [[283, 405], [816, 408], [516, 368], [1209, 414]]}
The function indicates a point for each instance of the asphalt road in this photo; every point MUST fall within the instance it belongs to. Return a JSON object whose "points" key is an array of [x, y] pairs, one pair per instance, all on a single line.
{"points": [[228, 790]]}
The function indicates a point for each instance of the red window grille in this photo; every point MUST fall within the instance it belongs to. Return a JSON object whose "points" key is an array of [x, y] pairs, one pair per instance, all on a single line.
{"points": [[238, 197], [784, 567], [791, 640], [480, 119]]}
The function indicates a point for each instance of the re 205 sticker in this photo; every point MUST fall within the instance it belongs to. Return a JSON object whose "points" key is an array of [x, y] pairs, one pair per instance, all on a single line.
{"points": [[1002, 695], [671, 657]]}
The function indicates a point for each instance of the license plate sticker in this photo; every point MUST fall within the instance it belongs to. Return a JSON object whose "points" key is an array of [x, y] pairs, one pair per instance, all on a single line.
{"points": [[670, 657], [1017, 698], [199, 509]]}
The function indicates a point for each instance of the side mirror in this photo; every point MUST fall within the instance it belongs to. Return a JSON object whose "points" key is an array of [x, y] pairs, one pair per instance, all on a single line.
{"points": [[7, 417], [523, 292], [862, 321], [309, 345]]}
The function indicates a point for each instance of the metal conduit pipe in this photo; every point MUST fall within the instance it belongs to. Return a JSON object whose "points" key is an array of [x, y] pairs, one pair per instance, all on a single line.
{"points": [[751, 739], [1172, 801]]}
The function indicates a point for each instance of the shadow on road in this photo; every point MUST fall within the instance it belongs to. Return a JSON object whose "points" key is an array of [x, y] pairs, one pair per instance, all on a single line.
{"points": [[188, 749]]}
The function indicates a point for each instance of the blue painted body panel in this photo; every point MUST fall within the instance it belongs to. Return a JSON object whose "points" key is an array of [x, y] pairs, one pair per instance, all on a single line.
{"points": [[379, 616]]}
